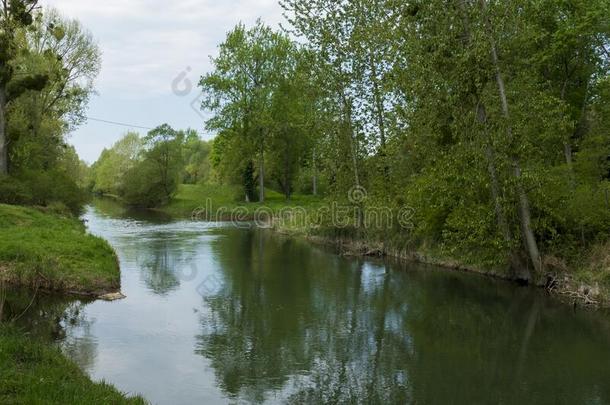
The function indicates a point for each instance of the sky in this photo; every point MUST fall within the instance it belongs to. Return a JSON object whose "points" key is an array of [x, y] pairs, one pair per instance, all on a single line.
{"points": [[153, 54]]}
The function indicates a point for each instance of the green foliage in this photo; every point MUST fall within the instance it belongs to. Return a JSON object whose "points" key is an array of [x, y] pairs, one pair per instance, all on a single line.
{"points": [[163, 156], [42, 188], [50, 70], [249, 182], [488, 119], [146, 171], [257, 91], [13, 191], [54, 186], [195, 154], [478, 115], [108, 171], [142, 186]]}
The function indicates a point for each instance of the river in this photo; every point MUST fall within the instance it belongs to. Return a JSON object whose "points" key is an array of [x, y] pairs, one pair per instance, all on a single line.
{"points": [[219, 314]]}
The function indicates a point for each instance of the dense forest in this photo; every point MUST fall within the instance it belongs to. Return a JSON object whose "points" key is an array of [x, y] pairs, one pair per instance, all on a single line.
{"points": [[488, 119]]}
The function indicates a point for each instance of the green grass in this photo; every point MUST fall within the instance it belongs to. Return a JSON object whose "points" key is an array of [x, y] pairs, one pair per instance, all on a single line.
{"points": [[39, 249], [34, 373], [192, 197]]}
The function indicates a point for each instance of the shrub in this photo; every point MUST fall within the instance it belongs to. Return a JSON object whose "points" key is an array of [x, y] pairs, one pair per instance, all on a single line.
{"points": [[13, 191], [42, 188], [142, 187]]}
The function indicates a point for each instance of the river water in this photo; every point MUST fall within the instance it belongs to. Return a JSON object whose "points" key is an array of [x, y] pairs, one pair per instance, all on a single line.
{"points": [[217, 314]]}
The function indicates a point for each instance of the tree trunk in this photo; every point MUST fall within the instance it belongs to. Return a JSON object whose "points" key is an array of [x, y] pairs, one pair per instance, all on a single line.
{"points": [[493, 176], [3, 134], [380, 115], [352, 141], [2, 299], [354, 157], [529, 238], [378, 104], [526, 220], [347, 121], [567, 147], [315, 174], [261, 175], [567, 150], [519, 271]]}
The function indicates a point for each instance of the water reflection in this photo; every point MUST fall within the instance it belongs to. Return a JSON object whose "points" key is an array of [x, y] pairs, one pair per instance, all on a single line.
{"points": [[330, 336], [54, 319], [162, 251], [230, 316], [295, 323], [109, 208]]}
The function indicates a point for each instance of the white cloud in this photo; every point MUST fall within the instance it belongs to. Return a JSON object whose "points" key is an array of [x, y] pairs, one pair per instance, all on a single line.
{"points": [[146, 44]]}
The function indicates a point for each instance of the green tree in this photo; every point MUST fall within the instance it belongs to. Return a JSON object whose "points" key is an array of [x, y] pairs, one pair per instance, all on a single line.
{"points": [[154, 178], [13, 16], [240, 89], [196, 153], [109, 170]]}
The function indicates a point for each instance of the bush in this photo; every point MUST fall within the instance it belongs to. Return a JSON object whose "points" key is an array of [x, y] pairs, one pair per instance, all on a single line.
{"points": [[59, 208], [42, 188], [142, 187], [14, 192]]}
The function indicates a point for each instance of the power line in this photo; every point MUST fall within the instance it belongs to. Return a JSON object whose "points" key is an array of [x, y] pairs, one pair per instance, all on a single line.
{"points": [[122, 124]]}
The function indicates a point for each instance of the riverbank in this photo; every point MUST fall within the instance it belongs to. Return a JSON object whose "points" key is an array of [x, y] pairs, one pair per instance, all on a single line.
{"points": [[50, 251], [583, 281], [35, 373], [585, 285], [222, 203]]}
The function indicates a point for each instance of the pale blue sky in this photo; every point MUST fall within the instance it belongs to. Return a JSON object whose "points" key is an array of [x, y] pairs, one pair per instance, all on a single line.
{"points": [[146, 45]]}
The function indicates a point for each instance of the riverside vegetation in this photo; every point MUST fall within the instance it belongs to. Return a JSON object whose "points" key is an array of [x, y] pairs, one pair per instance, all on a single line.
{"points": [[49, 251]]}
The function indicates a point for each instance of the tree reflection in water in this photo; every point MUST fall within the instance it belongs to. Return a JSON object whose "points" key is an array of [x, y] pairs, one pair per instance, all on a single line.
{"points": [[294, 323], [161, 258]]}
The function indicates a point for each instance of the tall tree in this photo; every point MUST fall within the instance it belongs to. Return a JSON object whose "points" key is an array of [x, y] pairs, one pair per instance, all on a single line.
{"points": [[64, 54], [14, 15], [163, 147], [240, 88]]}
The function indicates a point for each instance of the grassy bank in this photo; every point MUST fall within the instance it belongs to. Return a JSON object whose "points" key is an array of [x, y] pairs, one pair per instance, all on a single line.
{"points": [[221, 200], [44, 250], [34, 373]]}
